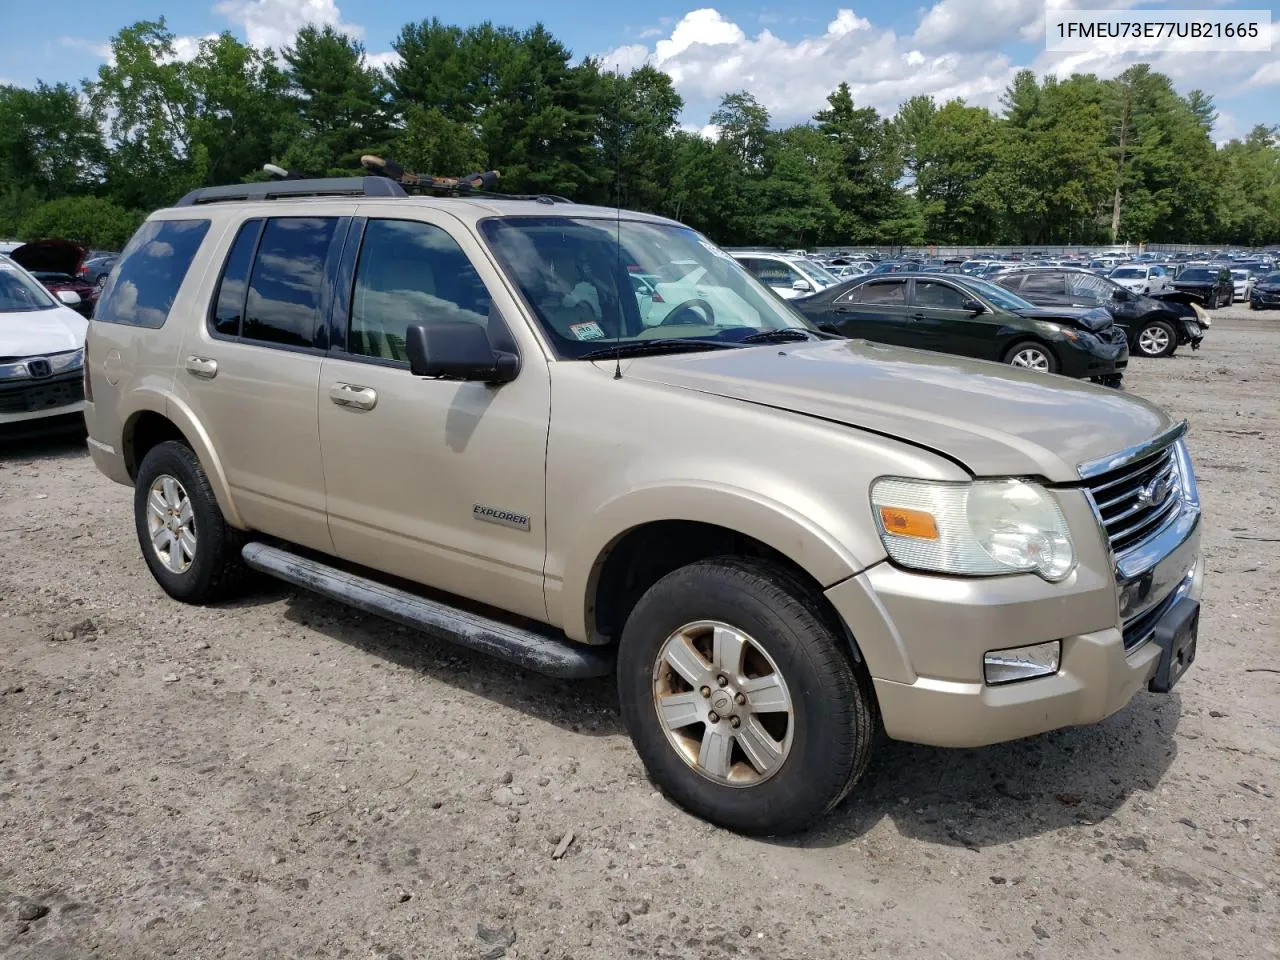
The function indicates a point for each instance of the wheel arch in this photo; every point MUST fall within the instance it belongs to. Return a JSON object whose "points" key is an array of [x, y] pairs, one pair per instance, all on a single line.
{"points": [[162, 418]]}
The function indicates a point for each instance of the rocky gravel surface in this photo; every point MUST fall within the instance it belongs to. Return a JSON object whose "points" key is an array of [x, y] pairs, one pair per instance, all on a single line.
{"points": [[282, 777]]}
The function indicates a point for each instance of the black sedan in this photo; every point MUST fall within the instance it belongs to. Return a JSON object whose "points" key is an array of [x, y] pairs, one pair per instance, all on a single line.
{"points": [[1212, 286], [1156, 325], [1265, 294], [973, 318]]}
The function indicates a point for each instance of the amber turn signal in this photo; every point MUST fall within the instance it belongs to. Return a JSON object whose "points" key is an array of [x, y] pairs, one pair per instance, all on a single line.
{"points": [[903, 522]]}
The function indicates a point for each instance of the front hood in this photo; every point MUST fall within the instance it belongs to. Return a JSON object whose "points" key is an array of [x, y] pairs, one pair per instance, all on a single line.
{"points": [[1087, 318], [1194, 284], [995, 419], [39, 333], [53, 256]]}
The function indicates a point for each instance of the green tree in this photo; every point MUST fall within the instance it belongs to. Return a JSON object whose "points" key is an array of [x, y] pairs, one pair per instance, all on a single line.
{"points": [[339, 99], [865, 165], [790, 201], [958, 182], [91, 221], [638, 115], [912, 124], [49, 142]]}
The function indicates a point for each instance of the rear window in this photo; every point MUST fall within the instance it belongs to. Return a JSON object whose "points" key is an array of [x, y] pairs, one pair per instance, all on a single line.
{"points": [[150, 271]]}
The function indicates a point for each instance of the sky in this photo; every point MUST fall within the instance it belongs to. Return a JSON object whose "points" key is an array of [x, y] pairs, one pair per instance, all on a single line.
{"points": [[790, 55]]}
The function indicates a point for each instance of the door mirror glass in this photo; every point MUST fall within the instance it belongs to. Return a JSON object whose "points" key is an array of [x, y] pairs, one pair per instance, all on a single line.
{"points": [[458, 350], [973, 306], [802, 286], [68, 297]]}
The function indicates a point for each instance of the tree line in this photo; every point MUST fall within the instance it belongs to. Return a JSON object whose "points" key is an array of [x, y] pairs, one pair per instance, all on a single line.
{"points": [[1063, 161]]}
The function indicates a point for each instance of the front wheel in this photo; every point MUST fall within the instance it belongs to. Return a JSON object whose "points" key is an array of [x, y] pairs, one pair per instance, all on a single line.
{"points": [[1031, 356], [742, 698], [193, 553], [1156, 339]]}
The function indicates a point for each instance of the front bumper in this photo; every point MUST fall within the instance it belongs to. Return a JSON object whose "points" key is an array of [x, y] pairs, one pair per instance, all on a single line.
{"points": [[26, 400], [923, 638], [1098, 355]]}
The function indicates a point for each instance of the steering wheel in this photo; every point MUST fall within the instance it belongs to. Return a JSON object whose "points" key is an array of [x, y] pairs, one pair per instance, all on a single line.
{"points": [[693, 318]]}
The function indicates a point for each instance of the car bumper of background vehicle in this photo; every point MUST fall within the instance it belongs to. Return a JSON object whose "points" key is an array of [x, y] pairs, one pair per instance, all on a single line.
{"points": [[1093, 357], [25, 400]]}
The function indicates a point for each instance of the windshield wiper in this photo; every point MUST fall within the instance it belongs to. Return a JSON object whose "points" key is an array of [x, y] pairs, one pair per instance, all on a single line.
{"points": [[783, 335], [640, 348]]}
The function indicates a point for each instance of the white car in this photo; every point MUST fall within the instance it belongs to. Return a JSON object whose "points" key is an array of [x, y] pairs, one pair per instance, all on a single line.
{"points": [[41, 353], [787, 275], [1243, 281], [1144, 278]]}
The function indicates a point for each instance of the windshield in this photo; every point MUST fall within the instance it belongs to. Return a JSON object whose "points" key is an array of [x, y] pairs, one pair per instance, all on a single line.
{"points": [[997, 294], [1240, 274], [19, 293], [1129, 273], [1198, 275], [575, 274], [815, 271]]}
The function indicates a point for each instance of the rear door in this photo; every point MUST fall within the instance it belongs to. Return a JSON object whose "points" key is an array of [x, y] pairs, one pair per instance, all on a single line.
{"points": [[875, 310], [250, 372]]}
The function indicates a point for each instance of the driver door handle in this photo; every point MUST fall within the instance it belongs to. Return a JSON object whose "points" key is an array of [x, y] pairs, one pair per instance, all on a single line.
{"points": [[205, 368], [918, 316], [354, 396]]}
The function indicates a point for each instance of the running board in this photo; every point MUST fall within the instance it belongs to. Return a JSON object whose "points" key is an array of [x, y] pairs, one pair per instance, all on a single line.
{"points": [[525, 648]]}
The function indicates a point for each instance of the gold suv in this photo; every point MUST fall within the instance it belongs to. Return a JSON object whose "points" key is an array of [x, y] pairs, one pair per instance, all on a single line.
{"points": [[483, 416]]}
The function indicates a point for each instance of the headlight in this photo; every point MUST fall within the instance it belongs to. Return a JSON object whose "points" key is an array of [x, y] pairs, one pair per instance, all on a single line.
{"points": [[982, 528], [13, 371], [62, 362]]}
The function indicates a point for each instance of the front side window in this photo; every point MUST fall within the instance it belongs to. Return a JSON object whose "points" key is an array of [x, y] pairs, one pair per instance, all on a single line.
{"points": [[938, 296], [151, 269], [283, 306], [21, 293], [410, 273], [1048, 282], [888, 292], [575, 275]]}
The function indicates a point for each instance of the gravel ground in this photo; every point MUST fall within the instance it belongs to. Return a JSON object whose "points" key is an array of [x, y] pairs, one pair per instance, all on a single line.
{"points": [[281, 777]]}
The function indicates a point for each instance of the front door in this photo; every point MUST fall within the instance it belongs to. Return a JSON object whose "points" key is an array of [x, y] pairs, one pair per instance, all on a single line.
{"points": [[941, 322], [440, 482]]}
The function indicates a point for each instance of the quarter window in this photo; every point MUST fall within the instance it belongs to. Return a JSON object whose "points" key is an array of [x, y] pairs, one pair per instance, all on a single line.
{"points": [[891, 292], [410, 273], [150, 271], [283, 305]]}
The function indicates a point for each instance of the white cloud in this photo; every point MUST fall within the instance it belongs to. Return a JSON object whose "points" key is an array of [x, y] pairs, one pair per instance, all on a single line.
{"points": [[273, 23], [100, 50], [967, 25], [707, 55], [626, 58], [383, 60], [186, 48]]}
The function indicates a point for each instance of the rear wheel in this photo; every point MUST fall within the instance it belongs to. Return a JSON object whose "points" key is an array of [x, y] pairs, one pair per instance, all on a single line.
{"points": [[193, 553], [1156, 339], [742, 698], [1032, 356]]}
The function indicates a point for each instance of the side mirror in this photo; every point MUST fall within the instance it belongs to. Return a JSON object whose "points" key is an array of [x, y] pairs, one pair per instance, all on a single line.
{"points": [[802, 286], [68, 297], [973, 306], [458, 351]]}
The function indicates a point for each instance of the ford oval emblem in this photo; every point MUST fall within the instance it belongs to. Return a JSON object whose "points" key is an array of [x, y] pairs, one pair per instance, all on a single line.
{"points": [[1156, 492]]}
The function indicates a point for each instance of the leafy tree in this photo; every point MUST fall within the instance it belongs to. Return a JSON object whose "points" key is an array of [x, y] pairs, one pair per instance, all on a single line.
{"points": [[49, 142], [865, 164], [91, 221], [639, 112], [958, 183]]}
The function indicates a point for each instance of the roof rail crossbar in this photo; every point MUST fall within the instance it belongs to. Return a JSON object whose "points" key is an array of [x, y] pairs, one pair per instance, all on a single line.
{"points": [[283, 189]]}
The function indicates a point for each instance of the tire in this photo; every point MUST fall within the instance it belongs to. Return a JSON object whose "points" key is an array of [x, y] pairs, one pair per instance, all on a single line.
{"points": [[206, 565], [1155, 338], [821, 745], [1028, 348]]}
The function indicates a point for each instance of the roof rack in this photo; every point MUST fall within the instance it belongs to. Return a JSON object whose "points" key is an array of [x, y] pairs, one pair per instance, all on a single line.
{"points": [[283, 189]]}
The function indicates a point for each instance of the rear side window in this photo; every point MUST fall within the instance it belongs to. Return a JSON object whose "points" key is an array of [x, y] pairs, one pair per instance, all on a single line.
{"points": [[892, 292], [150, 271], [283, 305], [1043, 283], [228, 308]]}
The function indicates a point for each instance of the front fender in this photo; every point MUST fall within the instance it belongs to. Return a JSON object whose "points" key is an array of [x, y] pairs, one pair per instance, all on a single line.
{"points": [[814, 545]]}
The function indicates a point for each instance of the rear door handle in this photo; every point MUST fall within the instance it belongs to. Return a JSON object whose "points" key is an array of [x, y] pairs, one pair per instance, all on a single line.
{"points": [[354, 396], [918, 316], [205, 368]]}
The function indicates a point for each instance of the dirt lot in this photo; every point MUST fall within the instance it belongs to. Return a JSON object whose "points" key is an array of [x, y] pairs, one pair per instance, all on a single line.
{"points": [[284, 778]]}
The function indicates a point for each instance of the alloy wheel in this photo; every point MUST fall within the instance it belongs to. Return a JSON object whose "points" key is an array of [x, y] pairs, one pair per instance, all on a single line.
{"points": [[1153, 341], [723, 703], [1032, 358], [171, 523]]}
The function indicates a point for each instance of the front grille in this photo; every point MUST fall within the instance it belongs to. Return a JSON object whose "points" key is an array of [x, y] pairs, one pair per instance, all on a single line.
{"points": [[31, 397], [1136, 500]]}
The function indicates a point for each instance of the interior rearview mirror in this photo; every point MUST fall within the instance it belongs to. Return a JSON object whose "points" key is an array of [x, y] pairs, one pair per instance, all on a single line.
{"points": [[68, 297], [801, 286], [458, 351]]}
